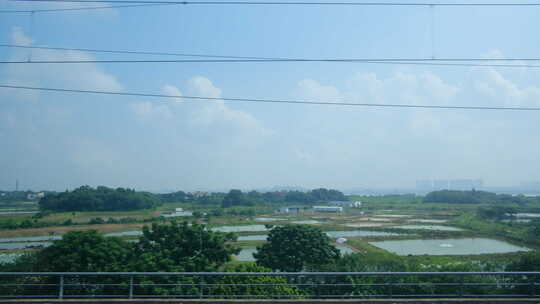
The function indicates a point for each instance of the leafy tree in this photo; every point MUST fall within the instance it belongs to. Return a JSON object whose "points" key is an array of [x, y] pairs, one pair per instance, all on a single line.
{"points": [[260, 286], [80, 251], [182, 247], [496, 212], [529, 261], [293, 247], [179, 196], [323, 194], [86, 198], [235, 197]]}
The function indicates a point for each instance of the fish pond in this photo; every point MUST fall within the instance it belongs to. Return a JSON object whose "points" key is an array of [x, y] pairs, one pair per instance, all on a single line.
{"points": [[448, 246], [428, 227]]}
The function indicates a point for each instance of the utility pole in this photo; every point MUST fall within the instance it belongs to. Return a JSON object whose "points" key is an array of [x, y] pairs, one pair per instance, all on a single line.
{"points": [[16, 185]]}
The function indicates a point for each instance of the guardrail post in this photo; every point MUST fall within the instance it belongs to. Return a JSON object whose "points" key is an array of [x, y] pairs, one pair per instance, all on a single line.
{"points": [[391, 291], [61, 288], [461, 278], [201, 290], [131, 287], [532, 285]]}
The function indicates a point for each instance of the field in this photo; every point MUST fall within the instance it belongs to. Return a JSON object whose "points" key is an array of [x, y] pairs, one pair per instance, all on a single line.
{"points": [[386, 218]]}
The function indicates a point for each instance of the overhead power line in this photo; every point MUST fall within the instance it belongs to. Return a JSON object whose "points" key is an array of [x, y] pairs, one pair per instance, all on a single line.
{"points": [[83, 8], [302, 3], [403, 61], [131, 52], [433, 62], [274, 101]]}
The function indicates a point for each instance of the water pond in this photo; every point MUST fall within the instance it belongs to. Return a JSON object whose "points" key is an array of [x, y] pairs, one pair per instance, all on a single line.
{"points": [[427, 221], [257, 237], [11, 212], [528, 215], [355, 233], [310, 222], [13, 246], [429, 227], [245, 228], [269, 219], [517, 221], [447, 246], [125, 233], [31, 239], [9, 257]]}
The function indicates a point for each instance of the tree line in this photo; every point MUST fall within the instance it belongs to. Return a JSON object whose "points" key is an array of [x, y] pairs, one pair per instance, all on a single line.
{"points": [[474, 197], [102, 198], [86, 198]]}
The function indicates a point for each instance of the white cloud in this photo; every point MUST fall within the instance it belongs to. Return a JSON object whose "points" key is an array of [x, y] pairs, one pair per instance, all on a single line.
{"points": [[202, 86], [80, 76], [172, 91], [313, 90], [218, 113], [19, 37]]}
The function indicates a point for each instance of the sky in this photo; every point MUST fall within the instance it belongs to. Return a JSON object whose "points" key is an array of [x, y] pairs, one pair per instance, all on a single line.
{"points": [[58, 141]]}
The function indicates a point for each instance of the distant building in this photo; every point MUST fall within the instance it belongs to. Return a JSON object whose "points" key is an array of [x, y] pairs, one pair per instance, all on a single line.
{"points": [[444, 184], [426, 185], [355, 204], [333, 209], [198, 194], [290, 209], [178, 212], [35, 196], [465, 184]]}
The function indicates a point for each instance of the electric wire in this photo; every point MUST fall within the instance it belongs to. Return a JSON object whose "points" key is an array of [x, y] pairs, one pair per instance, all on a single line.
{"points": [[81, 8], [301, 3], [362, 61], [272, 101], [397, 61]]}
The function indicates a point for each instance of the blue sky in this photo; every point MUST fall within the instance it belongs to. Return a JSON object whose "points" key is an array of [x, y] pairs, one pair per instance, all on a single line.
{"points": [[59, 141]]}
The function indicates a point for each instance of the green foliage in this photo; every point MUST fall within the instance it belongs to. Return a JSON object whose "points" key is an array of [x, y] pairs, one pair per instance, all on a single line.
{"points": [[96, 221], [534, 229], [179, 196], [84, 251], [495, 212], [102, 198], [182, 247], [472, 197], [527, 262], [294, 247], [235, 197], [236, 285], [370, 261]]}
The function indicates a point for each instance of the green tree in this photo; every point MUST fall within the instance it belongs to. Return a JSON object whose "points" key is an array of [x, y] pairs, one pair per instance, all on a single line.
{"points": [[235, 197], [80, 251], [293, 247], [529, 261], [260, 286], [182, 247], [86, 198]]}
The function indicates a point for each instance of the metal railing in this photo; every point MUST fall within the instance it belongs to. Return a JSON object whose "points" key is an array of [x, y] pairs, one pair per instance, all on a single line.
{"points": [[269, 285]]}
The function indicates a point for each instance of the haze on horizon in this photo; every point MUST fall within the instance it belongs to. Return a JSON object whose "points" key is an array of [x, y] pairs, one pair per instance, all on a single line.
{"points": [[55, 141]]}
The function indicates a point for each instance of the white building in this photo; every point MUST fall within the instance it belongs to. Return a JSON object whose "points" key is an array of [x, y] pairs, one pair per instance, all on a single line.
{"points": [[178, 212], [327, 209], [356, 204]]}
